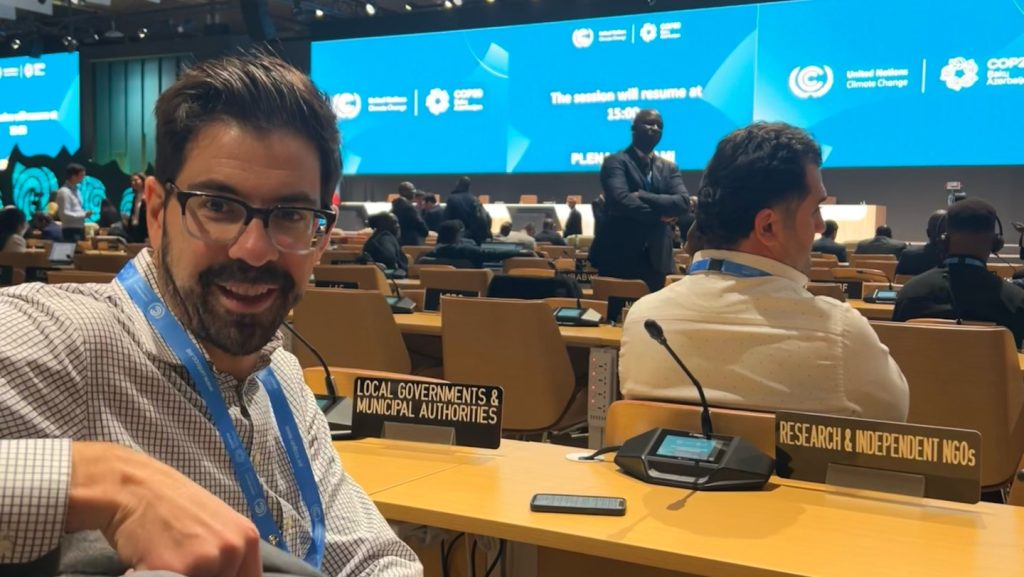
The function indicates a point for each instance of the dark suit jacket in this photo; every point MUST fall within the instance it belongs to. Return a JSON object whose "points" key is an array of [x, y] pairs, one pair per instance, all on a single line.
{"points": [[632, 236], [471, 253], [433, 217], [383, 247], [412, 231], [826, 245], [881, 245], [918, 259], [550, 237], [465, 207], [598, 208], [573, 224]]}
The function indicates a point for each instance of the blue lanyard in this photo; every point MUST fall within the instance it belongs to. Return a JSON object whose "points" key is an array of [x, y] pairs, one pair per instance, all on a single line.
{"points": [[965, 260], [726, 267], [171, 331]]}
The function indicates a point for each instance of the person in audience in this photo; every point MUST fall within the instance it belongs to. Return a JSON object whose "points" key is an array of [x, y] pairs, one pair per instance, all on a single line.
{"points": [[741, 319], [520, 237], [42, 226], [13, 225], [383, 247], [573, 222], [111, 219], [137, 230], [882, 243], [918, 259], [644, 195], [412, 230], [463, 206], [451, 248], [827, 243], [70, 211], [154, 369], [548, 234], [433, 214], [52, 208], [962, 287]]}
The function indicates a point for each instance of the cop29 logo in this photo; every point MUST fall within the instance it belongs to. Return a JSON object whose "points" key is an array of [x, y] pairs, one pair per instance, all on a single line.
{"points": [[959, 73], [811, 81]]}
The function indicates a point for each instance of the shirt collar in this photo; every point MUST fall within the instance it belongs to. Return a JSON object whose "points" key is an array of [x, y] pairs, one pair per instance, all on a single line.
{"points": [[771, 266], [156, 346]]}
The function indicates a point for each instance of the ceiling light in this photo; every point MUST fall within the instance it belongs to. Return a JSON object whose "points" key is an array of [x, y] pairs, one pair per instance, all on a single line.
{"points": [[447, 3], [70, 43], [142, 33], [318, 13], [408, 7], [15, 43], [371, 9], [457, 2], [490, 1]]}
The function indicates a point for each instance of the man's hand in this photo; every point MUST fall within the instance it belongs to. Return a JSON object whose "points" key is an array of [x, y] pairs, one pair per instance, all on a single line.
{"points": [[156, 518], [88, 213]]}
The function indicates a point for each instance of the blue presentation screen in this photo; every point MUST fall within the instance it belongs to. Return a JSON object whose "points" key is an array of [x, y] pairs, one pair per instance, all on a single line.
{"points": [[39, 104], [878, 82]]}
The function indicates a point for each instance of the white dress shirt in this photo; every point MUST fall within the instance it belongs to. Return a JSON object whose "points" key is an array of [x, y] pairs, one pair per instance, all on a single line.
{"points": [[80, 362], [760, 343], [70, 211]]}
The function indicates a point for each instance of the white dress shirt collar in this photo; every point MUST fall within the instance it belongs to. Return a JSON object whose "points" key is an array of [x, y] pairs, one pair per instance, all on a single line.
{"points": [[768, 265]]}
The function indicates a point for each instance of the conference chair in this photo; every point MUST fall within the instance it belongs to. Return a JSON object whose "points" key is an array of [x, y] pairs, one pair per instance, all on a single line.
{"points": [[341, 256], [393, 197], [1016, 496], [527, 199], [629, 418], [345, 379], [821, 275], [134, 248], [414, 252], [599, 306], [856, 258], [525, 262], [484, 198], [684, 260], [350, 328], [620, 294], [416, 269], [458, 282], [555, 251], [101, 262], [38, 244], [888, 267], [669, 279], [366, 277], [871, 287], [565, 264], [1004, 270], [581, 242], [515, 345], [532, 272], [902, 279], [577, 197], [859, 274], [78, 276], [827, 289], [965, 377], [949, 322], [530, 285], [19, 267], [824, 262]]}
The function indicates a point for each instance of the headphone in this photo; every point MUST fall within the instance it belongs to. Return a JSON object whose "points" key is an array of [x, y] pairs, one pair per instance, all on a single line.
{"points": [[997, 241]]}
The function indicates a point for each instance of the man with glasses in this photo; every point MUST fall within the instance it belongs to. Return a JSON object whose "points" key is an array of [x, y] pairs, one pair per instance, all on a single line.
{"points": [[155, 423]]}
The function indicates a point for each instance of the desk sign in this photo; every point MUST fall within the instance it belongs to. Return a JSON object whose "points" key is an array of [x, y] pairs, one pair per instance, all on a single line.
{"points": [[920, 460], [432, 298], [472, 412], [854, 289]]}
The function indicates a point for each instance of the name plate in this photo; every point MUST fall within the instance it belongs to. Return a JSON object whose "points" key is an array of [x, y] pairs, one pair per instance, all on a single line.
{"points": [[336, 284], [469, 414], [854, 289], [432, 298], [918, 460]]}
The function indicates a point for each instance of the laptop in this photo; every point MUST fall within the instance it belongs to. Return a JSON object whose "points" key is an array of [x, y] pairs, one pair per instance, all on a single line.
{"points": [[62, 253]]}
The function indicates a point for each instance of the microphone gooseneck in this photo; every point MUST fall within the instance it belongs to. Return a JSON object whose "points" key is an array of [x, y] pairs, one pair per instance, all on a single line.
{"points": [[655, 331], [332, 392]]}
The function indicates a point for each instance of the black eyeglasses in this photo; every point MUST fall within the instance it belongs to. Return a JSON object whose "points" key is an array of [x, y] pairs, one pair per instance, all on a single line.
{"points": [[219, 219]]}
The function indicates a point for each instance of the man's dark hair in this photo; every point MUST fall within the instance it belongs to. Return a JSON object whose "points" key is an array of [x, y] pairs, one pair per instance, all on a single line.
{"points": [[73, 169], [463, 184], [831, 228], [883, 230], [256, 91], [382, 221], [971, 216], [406, 190], [936, 225], [506, 229], [761, 166], [549, 224], [430, 199], [449, 231]]}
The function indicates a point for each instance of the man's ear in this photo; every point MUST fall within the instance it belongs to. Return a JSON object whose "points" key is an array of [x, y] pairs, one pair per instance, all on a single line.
{"points": [[766, 227]]}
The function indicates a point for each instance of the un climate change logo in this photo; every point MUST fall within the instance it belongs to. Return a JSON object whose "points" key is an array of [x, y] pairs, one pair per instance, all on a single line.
{"points": [[582, 37], [157, 311], [648, 32], [438, 101], [347, 105], [811, 81], [960, 73]]}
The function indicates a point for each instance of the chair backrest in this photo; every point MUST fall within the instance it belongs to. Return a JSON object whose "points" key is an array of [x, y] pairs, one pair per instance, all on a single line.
{"points": [[599, 306], [949, 322], [393, 196], [515, 345], [555, 251], [827, 289], [347, 255], [903, 279], [527, 199], [365, 277], [859, 274], [101, 262], [828, 260], [350, 328], [532, 287], [577, 197], [888, 267], [1004, 270], [345, 379], [821, 274], [415, 269], [856, 258], [967, 377], [669, 279], [525, 262], [39, 243], [484, 198], [1017, 490], [630, 418], [532, 272], [457, 282], [565, 264], [605, 287], [414, 252], [78, 276], [871, 287], [134, 248]]}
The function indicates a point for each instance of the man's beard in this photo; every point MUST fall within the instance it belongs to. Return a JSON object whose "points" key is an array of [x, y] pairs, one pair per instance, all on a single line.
{"points": [[235, 334]]}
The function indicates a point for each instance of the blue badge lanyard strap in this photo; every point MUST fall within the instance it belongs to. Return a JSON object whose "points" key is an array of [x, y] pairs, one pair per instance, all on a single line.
{"points": [[726, 267], [971, 261], [155, 311]]}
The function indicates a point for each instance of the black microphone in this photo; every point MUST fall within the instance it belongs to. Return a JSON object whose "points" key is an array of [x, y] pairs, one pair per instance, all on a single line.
{"points": [[655, 331], [398, 303], [332, 392]]}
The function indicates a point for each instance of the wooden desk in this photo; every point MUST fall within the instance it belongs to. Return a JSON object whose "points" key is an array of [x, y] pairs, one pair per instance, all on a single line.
{"points": [[424, 323], [789, 529], [873, 311]]}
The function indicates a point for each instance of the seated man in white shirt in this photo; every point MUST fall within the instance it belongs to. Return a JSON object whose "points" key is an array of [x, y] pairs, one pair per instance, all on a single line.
{"points": [[742, 320]]}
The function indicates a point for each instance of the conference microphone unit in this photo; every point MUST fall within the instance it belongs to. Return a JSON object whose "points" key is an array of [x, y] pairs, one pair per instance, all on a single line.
{"points": [[702, 462], [577, 317], [399, 304], [338, 410]]}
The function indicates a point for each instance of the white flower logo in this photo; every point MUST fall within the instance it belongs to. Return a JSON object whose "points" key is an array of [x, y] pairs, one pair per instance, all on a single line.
{"points": [[582, 37], [960, 73], [437, 101], [346, 105], [648, 32]]}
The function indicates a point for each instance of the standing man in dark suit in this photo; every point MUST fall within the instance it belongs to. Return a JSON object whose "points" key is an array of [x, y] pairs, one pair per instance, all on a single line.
{"points": [[644, 197], [882, 243], [433, 215], [574, 222], [412, 230], [463, 205], [918, 259], [827, 243]]}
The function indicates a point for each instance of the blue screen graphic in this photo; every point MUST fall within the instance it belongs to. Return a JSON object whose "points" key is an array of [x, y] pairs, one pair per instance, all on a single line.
{"points": [[39, 104], [878, 82]]}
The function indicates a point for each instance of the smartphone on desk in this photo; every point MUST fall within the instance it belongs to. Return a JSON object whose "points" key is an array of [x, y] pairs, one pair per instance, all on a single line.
{"points": [[578, 504]]}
